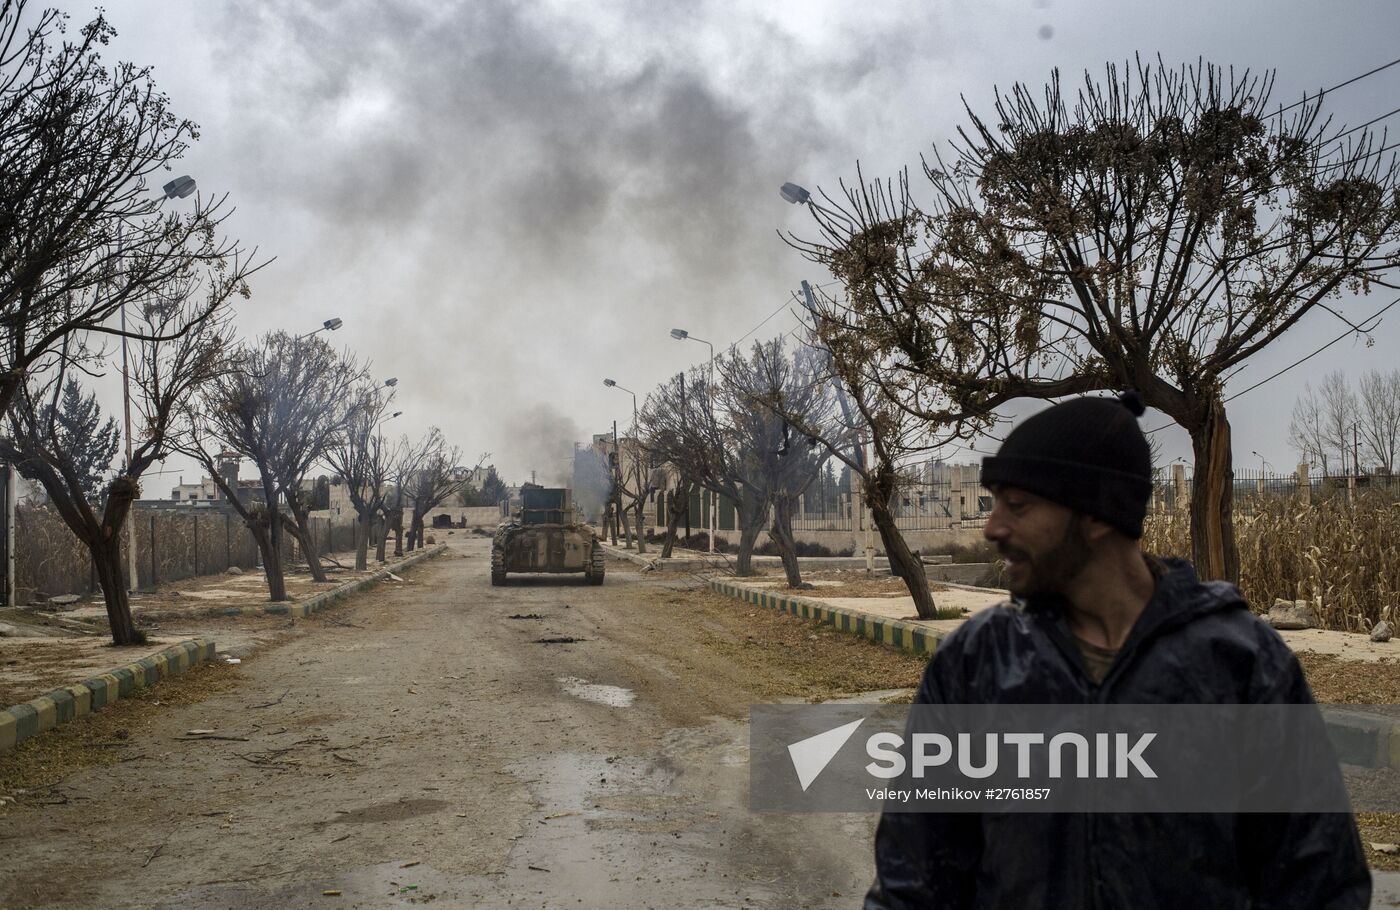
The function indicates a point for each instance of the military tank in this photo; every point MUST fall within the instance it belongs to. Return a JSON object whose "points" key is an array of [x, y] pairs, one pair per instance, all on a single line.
{"points": [[546, 534]]}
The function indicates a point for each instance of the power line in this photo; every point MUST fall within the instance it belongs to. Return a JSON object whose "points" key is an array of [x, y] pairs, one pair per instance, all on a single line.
{"points": [[1362, 328], [1362, 126], [782, 306], [1306, 98]]}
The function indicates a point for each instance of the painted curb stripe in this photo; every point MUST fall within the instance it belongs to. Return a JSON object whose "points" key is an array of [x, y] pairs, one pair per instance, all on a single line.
{"points": [[20, 722], [892, 632]]}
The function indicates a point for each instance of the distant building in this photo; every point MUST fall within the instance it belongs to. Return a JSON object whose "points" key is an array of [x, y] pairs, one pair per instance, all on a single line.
{"points": [[208, 492], [204, 491]]}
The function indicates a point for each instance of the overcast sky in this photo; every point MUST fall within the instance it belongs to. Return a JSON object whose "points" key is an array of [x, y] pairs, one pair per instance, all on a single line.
{"points": [[508, 202]]}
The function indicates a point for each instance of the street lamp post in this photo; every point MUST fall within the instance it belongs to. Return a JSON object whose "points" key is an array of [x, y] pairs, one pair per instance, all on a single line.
{"points": [[330, 325], [613, 385], [1262, 470], [798, 195], [683, 335], [178, 188]]}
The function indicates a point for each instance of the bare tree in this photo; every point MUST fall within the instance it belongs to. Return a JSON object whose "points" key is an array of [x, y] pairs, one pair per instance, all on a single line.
{"points": [[726, 442], [170, 365], [1306, 429], [1339, 418], [1155, 232], [434, 474], [779, 405], [306, 389], [683, 423], [632, 487], [1379, 413], [871, 415], [365, 462], [282, 409], [81, 235]]}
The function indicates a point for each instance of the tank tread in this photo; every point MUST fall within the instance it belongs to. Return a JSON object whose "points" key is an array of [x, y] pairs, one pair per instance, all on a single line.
{"points": [[596, 567], [498, 566]]}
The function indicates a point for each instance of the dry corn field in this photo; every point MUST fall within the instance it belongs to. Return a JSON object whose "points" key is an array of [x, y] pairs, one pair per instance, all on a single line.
{"points": [[1340, 555]]}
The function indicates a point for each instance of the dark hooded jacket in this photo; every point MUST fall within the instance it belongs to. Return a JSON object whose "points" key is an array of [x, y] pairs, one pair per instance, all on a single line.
{"points": [[1195, 643]]}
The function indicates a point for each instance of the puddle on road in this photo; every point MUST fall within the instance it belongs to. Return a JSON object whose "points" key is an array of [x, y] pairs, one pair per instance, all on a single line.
{"points": [[612, 696]]}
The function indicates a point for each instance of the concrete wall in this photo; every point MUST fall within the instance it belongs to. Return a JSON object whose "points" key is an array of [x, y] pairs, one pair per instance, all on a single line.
{"points": [[475, 516]]}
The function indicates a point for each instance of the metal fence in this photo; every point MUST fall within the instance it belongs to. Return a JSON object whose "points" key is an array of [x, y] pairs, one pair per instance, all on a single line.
{"points": [[917, 506], [1171, 489]]}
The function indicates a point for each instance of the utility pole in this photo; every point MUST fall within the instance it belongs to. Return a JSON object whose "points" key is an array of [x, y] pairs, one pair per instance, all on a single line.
{"points": [[1356, 449], [866, 518], [616, 475]]}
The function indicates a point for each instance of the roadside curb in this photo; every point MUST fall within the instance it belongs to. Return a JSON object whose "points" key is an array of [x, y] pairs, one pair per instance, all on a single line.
{"points": [[895, 633], [313, 604], [318, 603], [725, 561], [37, 715], [1359, 738]]}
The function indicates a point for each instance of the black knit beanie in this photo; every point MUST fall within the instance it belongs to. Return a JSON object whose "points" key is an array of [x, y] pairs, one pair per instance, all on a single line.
{"points": [[1088, 454]]}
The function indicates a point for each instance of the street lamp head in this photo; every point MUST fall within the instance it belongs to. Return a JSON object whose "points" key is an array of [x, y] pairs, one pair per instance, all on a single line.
{"points": [[680, 334], [330, 325], [179, 188], [390, 383], [395, 414], [609, 383], [794, 194]]}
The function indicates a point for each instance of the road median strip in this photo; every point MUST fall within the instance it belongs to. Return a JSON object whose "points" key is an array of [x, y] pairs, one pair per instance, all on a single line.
{"points": [[1360, 738], [896, 633]]}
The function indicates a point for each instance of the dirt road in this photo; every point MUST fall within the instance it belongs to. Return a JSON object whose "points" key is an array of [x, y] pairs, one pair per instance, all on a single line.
{"points": [[437, 741]]}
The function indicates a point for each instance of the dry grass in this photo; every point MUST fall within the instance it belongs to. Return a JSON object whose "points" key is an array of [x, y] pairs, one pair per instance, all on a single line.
{"points": [[112, 735], [860, 584], [1341, 553], [1380, 828], [801, 658]]}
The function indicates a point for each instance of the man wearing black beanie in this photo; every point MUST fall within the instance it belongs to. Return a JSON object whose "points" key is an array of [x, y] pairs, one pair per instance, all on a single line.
{"points": [[1096, 621]]}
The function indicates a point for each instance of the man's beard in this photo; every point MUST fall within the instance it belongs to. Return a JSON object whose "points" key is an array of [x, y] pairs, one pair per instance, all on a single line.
{"points": [[1052, 572]]}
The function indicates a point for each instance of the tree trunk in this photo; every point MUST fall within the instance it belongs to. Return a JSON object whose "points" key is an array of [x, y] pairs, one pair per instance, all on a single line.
{"points": [[107, 562], [640, 509], [272, 560], [301, 530], [302, 533], [415, 533], [361, 544], [752, 517], [398, 533], [626, 529], [910, 568], [1212, 498], [674, 519], [382, 539], [781, 532]]}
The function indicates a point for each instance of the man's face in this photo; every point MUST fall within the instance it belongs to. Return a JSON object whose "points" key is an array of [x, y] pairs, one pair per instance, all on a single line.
{"points": [[1042, 543]]}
